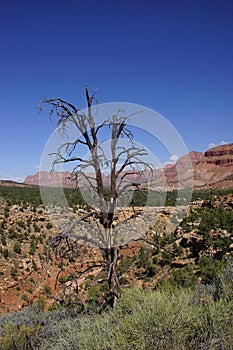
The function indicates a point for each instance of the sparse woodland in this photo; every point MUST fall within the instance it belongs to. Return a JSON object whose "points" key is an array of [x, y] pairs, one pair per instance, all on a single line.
{"points": [[191, 274]]}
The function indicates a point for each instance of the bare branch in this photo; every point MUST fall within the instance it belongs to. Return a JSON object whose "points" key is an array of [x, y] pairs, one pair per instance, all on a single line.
{"points": [[103, 228]]}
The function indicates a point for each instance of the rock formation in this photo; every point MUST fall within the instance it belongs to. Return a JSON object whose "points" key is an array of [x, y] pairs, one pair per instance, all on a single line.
{"points": [[210, 169]]}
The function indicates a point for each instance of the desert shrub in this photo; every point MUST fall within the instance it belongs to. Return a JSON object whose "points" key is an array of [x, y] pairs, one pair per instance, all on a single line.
{"points": [[166, 240], [24, 297], [41, 303], [17, 248], [143, 260], [12, 234], [222, 243], [49, 225], [209, 268], [124, 265], [21, 224], [185, 224], [36, 228], [18, 339], [30, 316], [183, 277], [5, 253], [47, 290], [151, 270], [32, 246], [92, 302], [34, 265], [53, 306], [14, 272], [166, 258], [167, 318], [3, 239], [177, 249], [221, 285]]}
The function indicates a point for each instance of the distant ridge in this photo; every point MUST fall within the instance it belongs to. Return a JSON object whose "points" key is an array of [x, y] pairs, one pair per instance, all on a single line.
{"points": [[211, 169], [11, 183]]}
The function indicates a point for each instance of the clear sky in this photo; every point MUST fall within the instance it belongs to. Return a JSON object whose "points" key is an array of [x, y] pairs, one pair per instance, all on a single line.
{"points": [[172, 56]]}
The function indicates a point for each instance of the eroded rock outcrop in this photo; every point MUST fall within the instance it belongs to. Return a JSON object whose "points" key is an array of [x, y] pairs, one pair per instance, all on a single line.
{"points": [[210, 170]]}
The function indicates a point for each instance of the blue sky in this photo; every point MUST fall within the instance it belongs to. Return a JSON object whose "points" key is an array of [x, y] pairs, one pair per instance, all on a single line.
{"points": [[172, 56]]}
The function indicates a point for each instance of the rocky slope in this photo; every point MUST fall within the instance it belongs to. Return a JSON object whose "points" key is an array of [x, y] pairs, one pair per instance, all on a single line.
{"points": [[195, 251], [50, 179], [214, 166], [29, 270], [213, 169]]}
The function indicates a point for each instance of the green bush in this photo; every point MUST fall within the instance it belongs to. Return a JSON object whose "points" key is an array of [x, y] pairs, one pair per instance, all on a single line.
{"points": [[3, 239], [167, 318], [41, 303], [12, 234], [143, 258], [17, 338], [5, 253], [166, 258], [151, 270], [92, 302], [124, 265], [47, 290], [144, 261], [49, 225], [14, 272], [17, 248], [177, 249], [32, 245], [209, 268], [34, 266], [184, 277], [24, 297]]}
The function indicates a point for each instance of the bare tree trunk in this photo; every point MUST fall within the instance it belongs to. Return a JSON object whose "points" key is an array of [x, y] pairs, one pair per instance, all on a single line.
{"points": [[113, 283], [124, 161]]}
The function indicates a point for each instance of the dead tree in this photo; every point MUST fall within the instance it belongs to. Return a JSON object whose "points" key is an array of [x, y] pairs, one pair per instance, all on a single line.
{"points": [[123, 160]]}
